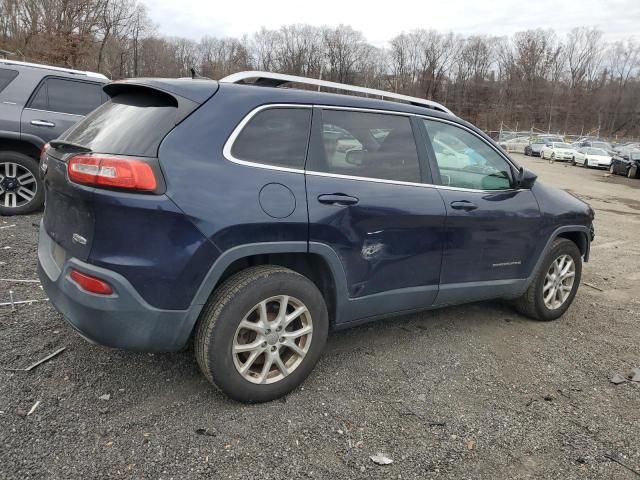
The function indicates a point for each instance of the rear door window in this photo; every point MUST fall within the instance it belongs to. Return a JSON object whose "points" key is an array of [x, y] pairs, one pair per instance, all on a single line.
{"points": [[67, 96], [372, 145], [6, 77], [276, 136], [128, 124]]}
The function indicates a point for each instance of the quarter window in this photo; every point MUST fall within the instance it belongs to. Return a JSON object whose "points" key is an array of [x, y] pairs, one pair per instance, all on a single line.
{"points": [[369, 145], [276, 136], [466, 161], [6, 76], [67, 96]]}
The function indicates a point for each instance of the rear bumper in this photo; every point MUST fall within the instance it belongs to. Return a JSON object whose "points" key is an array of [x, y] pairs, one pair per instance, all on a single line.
{"points": [[121, 320]]}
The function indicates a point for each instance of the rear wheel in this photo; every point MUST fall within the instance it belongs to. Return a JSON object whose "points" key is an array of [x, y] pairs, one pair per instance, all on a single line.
{"points": [[21, 189], [554, 286], [261, 333]]}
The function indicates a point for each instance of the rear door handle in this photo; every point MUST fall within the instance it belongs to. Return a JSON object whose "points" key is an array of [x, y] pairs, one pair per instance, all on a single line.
{"points": [[464, 205], [337, 199], [42, 123]]}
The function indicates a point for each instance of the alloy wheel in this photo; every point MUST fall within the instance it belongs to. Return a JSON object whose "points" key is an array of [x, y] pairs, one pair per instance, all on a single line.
{"points": [[18, 185], [559, 282], [272, 339]]}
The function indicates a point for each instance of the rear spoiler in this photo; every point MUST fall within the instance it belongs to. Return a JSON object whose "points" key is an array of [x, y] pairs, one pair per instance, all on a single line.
{"points": [[187, 93]]}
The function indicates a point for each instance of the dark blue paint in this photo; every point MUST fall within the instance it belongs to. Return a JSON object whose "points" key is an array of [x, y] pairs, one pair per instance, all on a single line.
{"points": [[389, 247], [391, 239]]}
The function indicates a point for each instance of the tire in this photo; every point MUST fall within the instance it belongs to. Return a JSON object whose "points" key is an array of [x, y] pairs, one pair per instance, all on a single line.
{"points": [[573, 162], [239, 298], [586, 163], [14, 194], [632, 172], [532, 303], [541, 154], [612, 169], [552, 158]]}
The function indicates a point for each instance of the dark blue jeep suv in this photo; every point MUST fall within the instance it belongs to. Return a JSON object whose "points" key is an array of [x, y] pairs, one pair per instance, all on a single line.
{"points": [[255, 219]]}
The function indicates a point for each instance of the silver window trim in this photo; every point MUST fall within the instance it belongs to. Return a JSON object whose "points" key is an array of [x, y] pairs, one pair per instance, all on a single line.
{"points": [[226, 150]]}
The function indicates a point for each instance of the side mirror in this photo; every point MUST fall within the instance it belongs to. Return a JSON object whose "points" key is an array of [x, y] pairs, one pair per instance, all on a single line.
{"points": [[525, 178], [354, 156]]}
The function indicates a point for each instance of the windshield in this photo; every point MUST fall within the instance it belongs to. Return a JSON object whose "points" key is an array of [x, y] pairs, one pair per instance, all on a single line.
{"points": [[634, 155], [603, 145], [596, 151], [561, 145]]}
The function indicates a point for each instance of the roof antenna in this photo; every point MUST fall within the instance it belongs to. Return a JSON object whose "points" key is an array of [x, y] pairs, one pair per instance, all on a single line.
{"points": [[196, 76]]}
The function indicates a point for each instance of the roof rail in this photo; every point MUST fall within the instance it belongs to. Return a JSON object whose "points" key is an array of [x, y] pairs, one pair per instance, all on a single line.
{"points": [[58, 69], [269, 79]]}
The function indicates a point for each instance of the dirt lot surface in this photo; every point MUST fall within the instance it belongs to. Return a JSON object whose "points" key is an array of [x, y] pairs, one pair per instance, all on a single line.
{"points": [[475, 391]]}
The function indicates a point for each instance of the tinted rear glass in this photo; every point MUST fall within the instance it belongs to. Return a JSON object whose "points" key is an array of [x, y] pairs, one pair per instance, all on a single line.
{"points": [[276, 136], [6, 76], [128, 124]]}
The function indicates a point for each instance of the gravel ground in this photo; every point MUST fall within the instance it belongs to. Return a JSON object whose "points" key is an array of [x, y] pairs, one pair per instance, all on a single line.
{"points": [[475, 391]]}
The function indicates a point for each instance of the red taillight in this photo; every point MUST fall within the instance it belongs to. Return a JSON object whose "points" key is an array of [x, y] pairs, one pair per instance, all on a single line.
{"points": [[91, 284], [112, 171]]}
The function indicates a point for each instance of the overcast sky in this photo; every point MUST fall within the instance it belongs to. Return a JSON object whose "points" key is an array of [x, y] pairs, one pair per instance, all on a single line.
{"points": [[381, 20]]}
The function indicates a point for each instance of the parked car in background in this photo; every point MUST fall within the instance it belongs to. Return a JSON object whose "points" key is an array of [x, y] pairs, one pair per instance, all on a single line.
{"points": [[234, 224], [606, 146], [557, 151], [629, 167], [37, 103], [534, 148], [517, 144], [548, 139], [590, 157], [627, 149], [626, 145]]}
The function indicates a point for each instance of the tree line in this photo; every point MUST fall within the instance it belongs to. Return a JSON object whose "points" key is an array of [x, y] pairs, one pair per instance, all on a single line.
{"points": [[576, 83]]}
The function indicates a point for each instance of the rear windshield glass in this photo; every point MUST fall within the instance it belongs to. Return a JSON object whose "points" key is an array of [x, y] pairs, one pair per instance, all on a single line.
{"points": [[6, 76], [128, 124]]}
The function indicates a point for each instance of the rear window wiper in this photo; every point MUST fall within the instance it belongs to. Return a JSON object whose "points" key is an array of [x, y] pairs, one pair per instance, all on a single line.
{"points": [[68, 146]]}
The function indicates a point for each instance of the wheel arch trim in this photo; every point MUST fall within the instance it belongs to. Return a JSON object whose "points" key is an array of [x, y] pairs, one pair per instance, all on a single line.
{"points": [[582, 229]]}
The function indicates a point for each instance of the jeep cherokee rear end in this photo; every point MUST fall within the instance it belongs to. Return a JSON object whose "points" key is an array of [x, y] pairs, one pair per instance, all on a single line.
{"points": [[256, 217], [108, 218]]}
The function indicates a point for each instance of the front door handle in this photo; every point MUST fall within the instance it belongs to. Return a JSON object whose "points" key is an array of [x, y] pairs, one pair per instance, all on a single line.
{"points": [[42, 123], [464, 205], [337, 199]]}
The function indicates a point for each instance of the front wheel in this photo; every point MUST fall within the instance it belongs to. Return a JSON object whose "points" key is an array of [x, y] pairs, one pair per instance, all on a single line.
{"points": [[554, 286], [542, 155], [573, 162], [586, 163], [612, 169], [261, 333], [21, 190], [632, 172]]}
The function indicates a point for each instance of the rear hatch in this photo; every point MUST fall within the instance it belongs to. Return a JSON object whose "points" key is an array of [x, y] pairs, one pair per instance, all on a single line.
{"points": [[133, 123]]}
